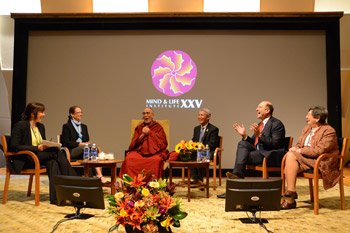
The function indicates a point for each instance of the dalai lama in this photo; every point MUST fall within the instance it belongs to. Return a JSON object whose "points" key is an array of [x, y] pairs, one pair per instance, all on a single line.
{"points": [[148, 148]]}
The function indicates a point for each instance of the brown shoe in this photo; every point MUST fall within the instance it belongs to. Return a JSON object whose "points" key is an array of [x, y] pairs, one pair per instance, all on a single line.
{"points": [[288, 205], [289, 195], [231, 175], [195, 181], [201, 186]]}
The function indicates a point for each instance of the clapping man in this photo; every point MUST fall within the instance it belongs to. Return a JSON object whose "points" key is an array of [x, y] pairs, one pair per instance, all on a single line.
{"points": [[267, 141]]}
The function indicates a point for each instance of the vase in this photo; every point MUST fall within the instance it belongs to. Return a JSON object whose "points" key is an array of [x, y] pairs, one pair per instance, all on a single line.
{"points": [[185, 157], [128, 229]]}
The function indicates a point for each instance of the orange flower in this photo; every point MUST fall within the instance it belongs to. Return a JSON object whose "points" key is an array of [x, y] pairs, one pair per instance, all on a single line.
{"points": [[137, 182], [156, 198], [122, 204], [136, 220], [167, 202], [121, 220]]}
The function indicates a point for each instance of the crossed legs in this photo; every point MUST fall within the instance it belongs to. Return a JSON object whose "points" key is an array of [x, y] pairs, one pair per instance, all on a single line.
{"points": [[292, 168], [246, 154]]}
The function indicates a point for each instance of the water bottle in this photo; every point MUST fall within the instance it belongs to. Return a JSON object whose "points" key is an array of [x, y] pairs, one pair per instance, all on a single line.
{"points": [[94, 152], [207, 154], [86, 152], [199, 154]]}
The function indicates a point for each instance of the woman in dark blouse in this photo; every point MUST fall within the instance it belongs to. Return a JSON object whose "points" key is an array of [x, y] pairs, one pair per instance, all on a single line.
{"points": [[28, 134]]}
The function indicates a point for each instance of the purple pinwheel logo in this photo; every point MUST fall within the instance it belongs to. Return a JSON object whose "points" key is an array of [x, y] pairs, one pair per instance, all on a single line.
{"points": [[174, 73]]}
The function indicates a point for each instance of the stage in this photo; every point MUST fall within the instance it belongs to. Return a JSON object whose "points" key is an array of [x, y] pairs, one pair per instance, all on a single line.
{"points": [[204, 215]]}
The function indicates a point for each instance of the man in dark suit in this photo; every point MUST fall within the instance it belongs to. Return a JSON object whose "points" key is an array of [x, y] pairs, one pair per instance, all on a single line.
{"points": [[208, 134], [267, 141]]}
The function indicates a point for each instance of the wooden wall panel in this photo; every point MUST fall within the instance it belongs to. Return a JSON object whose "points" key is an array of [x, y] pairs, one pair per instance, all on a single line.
{"points": [[175, 5], [287, 5], [66, 6], [345, 95]]}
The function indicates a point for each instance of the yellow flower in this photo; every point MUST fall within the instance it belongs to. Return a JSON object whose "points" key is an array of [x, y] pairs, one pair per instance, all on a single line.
{"points": [[139, 203], [119, 195], [189, 146], [154, 184], [178, 147], [123, 212], [145, 192], [166, 222]]}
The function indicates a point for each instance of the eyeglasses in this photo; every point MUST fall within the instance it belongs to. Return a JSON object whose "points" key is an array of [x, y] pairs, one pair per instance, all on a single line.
{"points": [[146, 113], [78, 113]]}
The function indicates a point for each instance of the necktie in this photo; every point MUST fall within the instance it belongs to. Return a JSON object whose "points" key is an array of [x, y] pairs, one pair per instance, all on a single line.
{"points": [[261, 126], [201, 134]]}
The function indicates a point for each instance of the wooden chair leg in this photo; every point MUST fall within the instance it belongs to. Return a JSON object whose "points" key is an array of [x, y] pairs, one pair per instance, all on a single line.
{"points": [[265, 173], [29, 192], [6, 187], [283, 177], [220, 173], [311, 190], [37, 188], [342, 197], [316, 202], [214, 177]]}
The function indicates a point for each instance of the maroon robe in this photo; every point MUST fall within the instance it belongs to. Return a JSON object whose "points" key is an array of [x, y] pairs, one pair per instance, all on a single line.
{"points": [[149, 154]]}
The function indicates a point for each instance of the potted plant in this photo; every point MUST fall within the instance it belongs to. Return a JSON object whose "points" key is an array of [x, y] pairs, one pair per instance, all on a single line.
{"points": [[145, 204]]}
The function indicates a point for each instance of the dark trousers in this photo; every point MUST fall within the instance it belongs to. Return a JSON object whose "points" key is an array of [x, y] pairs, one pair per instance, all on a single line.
{"points": [[246, 154], [77, 153], [197, 173], [56, 164]]}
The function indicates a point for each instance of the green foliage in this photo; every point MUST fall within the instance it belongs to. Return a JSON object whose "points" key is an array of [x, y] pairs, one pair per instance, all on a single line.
{"points": [[113, 228], [127, 178]]}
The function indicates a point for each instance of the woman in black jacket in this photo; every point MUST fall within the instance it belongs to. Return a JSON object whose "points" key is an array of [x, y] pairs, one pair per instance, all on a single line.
{"points": [[75, 136], [28, 134]]}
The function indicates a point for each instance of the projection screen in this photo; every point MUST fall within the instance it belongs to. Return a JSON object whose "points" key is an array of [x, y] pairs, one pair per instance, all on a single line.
{"points": [[109, 74]]}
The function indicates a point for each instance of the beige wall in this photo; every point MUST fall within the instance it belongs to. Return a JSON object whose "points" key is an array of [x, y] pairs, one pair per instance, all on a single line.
{"points": [[5, 119], [6, 42]]}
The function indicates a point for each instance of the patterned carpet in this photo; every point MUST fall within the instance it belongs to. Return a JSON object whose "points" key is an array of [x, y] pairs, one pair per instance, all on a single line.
{"points": [[205, 215]]}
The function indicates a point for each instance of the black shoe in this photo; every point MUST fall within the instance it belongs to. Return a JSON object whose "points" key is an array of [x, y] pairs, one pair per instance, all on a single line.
{"points": [[223, 196], [53, 202], [232, 175]]}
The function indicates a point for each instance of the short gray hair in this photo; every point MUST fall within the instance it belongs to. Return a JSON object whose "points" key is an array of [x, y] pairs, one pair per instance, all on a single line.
{"points": [[206, 110], [319, 112]]}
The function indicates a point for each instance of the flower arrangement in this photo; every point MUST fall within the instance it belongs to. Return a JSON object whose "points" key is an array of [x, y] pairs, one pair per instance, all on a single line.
{"points": [[187, 150], [146, 204]]}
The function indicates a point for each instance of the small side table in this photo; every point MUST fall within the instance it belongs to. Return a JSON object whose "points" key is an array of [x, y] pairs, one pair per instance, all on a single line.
{"points": [[189, 165], [110, 163]]}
